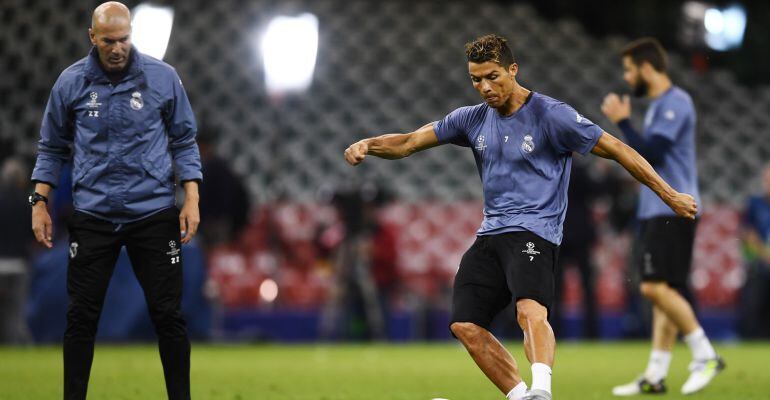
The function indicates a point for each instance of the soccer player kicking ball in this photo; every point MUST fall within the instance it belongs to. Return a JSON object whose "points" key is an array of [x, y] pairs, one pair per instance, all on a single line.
{"points": [[666, 239], [522, 142]]}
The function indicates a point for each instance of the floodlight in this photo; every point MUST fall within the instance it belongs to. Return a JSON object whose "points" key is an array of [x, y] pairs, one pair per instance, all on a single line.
{"points": [[289, 47], [151, 28]]}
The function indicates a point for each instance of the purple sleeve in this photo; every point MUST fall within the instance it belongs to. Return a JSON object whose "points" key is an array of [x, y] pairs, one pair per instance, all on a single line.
{"points": [[652, 148], [569, 131], [181, 131], [56, 136], [669, 119], [455, 126]]}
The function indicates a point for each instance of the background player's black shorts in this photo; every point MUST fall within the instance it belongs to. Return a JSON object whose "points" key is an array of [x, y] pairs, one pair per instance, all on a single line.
{"points": [[665, 254], [502, 268]]}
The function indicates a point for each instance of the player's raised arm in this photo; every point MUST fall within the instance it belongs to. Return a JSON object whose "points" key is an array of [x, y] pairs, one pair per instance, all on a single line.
{"points": [[392, 146], [611, 148]]}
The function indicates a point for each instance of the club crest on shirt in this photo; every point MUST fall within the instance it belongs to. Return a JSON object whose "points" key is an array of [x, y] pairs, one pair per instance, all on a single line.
{"points": [[136, 101], [528, 145], [73, 249], [481, 143]]}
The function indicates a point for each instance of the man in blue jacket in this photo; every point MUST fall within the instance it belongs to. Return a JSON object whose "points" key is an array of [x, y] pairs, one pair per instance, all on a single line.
{"points": [[127, 119]]}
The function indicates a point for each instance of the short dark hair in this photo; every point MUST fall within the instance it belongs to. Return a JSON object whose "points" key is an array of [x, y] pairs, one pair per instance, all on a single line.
{"points": [[490, 48], [649, 50]]}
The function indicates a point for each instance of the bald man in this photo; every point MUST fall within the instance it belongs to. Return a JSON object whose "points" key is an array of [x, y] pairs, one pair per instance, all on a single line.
{"points": [[131, 128]]}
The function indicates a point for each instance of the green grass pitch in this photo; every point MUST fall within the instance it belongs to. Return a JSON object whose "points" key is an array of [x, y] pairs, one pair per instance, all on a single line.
{"points": [[583, 371]]}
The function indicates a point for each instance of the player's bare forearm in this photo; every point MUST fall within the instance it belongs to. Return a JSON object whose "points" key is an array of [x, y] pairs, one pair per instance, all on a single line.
{"points": [[611, 148], [392, 146]]}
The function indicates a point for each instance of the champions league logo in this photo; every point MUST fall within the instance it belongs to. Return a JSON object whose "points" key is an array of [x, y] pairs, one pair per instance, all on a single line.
{"points": [[480, 144], [136, 101], [173, 250], [531, 251], [528, 145], [93, 103]]}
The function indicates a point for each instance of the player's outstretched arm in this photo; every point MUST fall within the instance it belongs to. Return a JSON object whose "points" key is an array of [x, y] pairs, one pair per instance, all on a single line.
{"points": [[392, 146], [611, 148]]}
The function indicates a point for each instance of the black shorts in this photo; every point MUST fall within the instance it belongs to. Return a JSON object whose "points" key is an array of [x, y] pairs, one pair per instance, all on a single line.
{"points": [[502, 268], [665, 253]]}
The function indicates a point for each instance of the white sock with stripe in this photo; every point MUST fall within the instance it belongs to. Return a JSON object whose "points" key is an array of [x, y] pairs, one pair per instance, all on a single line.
{"points": [[518, 392], [541, 377], [700, 346], [657, 366]]}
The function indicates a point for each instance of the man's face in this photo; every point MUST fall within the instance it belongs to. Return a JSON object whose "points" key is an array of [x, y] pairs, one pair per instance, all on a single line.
{"points": [[113, 43], [632, 74], [494, 83]]}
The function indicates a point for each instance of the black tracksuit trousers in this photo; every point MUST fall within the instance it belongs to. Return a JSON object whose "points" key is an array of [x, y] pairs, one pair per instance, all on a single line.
{"points": [[154, 248]]}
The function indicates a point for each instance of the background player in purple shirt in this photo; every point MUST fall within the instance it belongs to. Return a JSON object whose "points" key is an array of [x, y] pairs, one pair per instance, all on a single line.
{"points": [[522, 142], [665, 239], [755, 296]]}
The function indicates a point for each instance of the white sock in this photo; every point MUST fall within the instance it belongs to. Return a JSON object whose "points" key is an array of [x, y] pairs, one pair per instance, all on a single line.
{"points": [[700, 346], [657, 366], [518, 392], [541, 377]]}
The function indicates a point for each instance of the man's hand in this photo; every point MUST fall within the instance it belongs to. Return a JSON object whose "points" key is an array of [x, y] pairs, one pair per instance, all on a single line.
{"points": [[356, 152], [683, 205], [189, 217], [615, 108], [42, 226]]}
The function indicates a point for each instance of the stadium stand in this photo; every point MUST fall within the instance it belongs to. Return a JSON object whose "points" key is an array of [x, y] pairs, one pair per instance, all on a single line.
{"points": [[402, 66]]}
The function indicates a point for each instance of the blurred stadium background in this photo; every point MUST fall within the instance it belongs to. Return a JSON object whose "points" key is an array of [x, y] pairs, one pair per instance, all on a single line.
{"points": [[296, 246]]}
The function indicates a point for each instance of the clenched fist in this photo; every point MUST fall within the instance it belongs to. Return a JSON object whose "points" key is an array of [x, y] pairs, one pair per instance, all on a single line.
{"points": [[683, 205], [616, 108], [356, 152]]}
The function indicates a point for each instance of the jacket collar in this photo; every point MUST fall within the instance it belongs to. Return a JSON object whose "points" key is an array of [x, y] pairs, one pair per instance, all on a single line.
{"points": [[94, 71]]}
